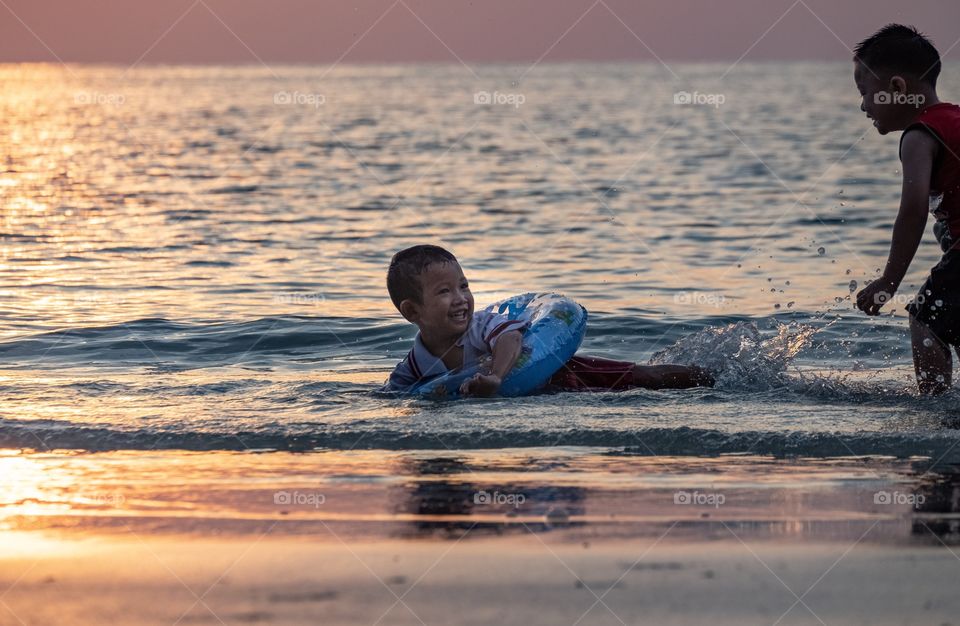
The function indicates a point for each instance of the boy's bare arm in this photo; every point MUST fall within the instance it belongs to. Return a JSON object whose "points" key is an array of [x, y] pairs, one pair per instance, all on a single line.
{"points": [[918, 151], [505, 354]]}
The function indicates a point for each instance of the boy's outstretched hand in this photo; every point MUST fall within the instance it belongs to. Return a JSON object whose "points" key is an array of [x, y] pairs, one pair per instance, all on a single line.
{"points": [[872, 297], [482, 385]]}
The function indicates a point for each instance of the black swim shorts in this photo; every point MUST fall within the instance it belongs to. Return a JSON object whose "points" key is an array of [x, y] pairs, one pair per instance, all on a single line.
{"points": [[937, 305]]}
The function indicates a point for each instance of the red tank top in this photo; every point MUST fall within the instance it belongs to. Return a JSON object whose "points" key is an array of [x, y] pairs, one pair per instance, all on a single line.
{"points": [[943, 121]]}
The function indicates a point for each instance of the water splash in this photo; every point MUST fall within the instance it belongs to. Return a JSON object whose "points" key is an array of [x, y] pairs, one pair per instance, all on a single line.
{"points": [[738, 354]]}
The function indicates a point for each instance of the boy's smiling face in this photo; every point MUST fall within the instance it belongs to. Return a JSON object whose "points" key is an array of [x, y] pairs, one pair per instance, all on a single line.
{"points": [[447, 304]]}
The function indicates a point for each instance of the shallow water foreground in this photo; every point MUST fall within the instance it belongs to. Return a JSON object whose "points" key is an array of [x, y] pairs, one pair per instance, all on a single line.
{"points": [[534, 535]]}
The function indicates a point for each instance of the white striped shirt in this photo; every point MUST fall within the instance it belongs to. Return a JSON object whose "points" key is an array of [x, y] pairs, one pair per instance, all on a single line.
{"points": [[485, 329]]}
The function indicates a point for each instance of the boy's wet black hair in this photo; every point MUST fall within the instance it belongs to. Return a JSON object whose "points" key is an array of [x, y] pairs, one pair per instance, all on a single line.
{"points": [[403, 277], [900, 49]]}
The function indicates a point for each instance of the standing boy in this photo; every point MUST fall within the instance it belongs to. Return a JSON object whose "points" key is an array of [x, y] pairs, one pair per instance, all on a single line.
{"points": [[896, 73]]}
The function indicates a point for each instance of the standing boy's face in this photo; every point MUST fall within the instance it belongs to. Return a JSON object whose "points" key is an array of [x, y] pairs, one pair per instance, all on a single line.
{"points": [[447, 306], [884, 101]]}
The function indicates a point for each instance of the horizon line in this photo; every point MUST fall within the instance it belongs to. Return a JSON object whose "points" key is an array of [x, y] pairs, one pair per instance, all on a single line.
{"points": [[452, 62]]}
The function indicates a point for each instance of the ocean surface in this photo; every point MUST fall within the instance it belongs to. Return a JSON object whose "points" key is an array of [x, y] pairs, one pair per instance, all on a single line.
{"points": [[194, 257]]}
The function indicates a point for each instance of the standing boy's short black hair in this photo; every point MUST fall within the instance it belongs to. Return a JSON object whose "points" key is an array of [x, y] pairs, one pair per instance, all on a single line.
{"points": [[900, 49], [403, 277]]}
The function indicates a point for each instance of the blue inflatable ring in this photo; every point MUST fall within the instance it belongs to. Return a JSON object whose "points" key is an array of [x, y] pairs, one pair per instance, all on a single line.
{"points": [[555, 328]]}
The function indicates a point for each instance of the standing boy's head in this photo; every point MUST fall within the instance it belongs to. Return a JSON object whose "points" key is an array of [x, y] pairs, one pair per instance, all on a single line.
{"points": [[429, 289], [896, 72]]}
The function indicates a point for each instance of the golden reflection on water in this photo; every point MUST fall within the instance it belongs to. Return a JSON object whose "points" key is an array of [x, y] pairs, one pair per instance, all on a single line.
{"points": [[24, 485], [184, 193], [35, 545], [196, 199], [183, 492]]}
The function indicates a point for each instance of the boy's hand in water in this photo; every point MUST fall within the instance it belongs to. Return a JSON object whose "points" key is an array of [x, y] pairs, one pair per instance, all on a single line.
{"points": [[486, 382], [872, 297], [483, 385]]}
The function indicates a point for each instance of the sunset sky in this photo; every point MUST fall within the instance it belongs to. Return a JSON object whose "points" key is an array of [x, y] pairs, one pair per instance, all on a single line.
{"points": [[321, 31]]}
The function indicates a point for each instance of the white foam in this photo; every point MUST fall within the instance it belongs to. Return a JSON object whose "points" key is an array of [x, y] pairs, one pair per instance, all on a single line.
{"points": [[738, 354]]}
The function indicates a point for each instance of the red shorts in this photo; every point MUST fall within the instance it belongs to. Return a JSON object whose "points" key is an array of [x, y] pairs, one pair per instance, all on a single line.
{"points": [[587, 373]]}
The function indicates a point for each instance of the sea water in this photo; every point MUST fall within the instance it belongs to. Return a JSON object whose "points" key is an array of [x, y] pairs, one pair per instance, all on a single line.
{"points": [[194, 257]]}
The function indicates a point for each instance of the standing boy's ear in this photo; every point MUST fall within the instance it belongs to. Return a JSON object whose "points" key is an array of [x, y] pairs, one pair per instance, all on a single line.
{"points": [[410, 311], [898, 84]]}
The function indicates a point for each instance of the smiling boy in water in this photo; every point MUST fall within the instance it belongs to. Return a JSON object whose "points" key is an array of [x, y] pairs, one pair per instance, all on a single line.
{"points": [[896, 73], [428, 287]]}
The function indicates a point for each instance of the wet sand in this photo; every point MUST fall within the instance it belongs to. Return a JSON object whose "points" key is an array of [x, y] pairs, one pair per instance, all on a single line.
{"points": [[527, 580]]}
